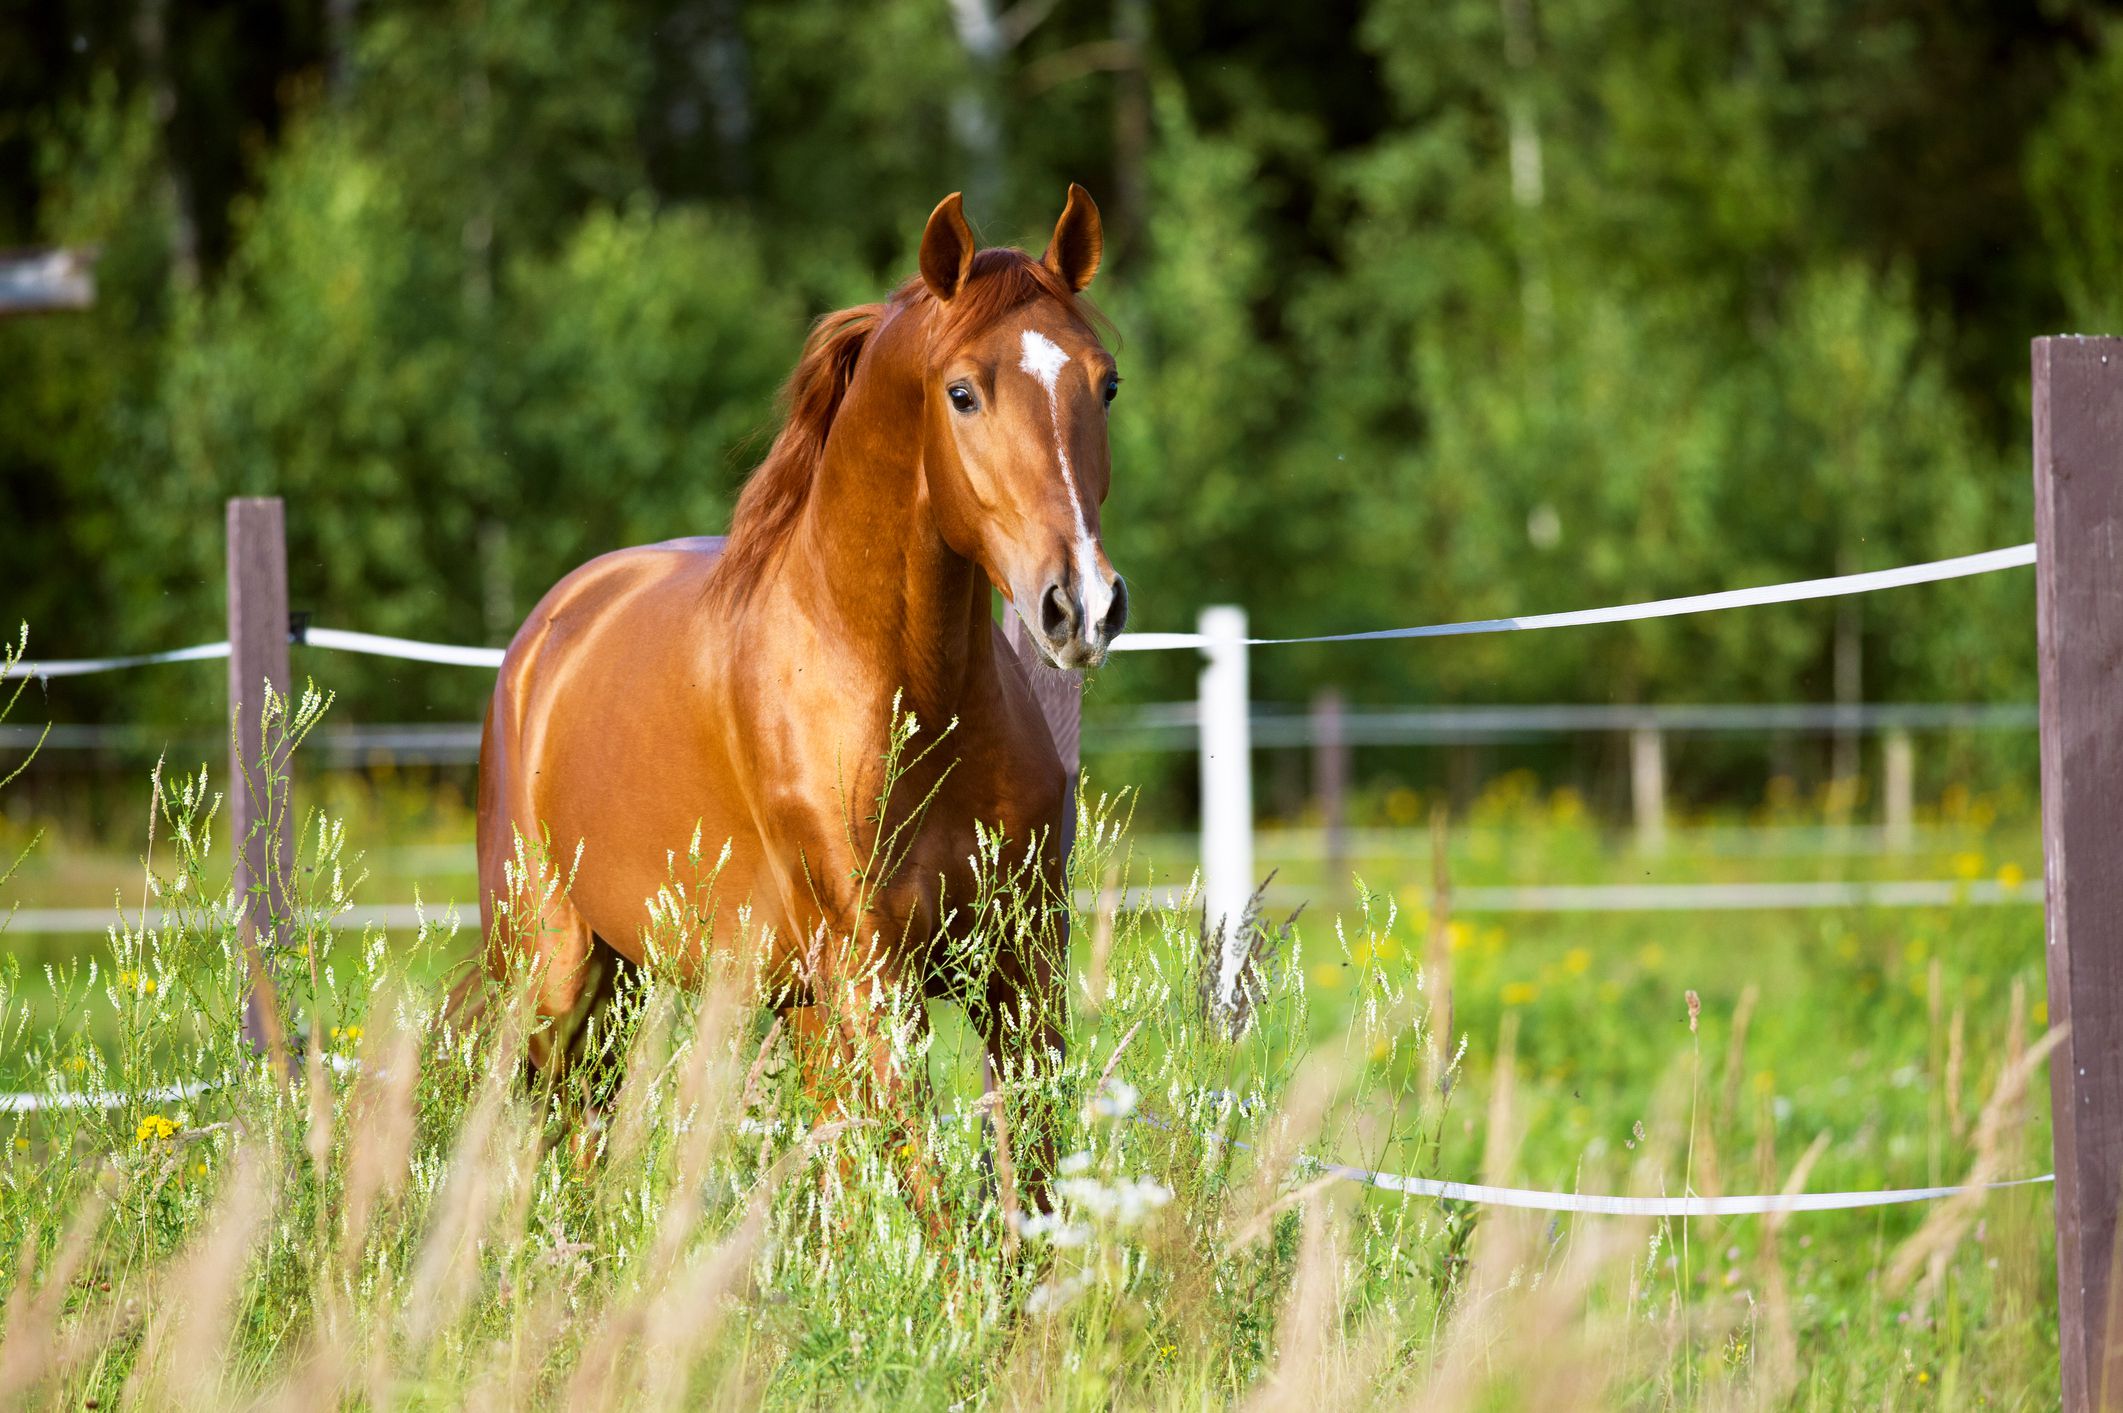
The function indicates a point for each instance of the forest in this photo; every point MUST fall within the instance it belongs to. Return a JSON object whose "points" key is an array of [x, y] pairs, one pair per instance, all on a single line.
{"points": [[1428, 309]]}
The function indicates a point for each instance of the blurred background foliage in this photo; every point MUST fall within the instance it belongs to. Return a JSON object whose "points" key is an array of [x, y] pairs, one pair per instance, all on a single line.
{"points": [[1428, 309]]}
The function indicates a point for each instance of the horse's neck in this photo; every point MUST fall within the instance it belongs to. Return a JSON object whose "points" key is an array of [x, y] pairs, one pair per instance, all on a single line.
{"points": [[872, 561]]}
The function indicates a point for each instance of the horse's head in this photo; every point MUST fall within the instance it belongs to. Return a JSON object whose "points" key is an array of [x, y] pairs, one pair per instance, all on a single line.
{"points": [[1014, 400]]}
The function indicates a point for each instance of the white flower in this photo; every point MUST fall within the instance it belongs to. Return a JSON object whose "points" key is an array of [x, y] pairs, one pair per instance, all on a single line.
{"points": [[1124, 1203], [1056, 1231], [1076, 1165], [1117, 1100], [1054, 1295]]}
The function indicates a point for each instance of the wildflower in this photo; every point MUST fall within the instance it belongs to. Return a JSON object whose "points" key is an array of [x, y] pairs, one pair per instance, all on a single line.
{"points": [[1651, 956], [1520, 993], [1055, 1295], [1968, 865], [154, 1129], [22, 1145], [2011, 876], [1458, 935], [1577, 961], [1055, 1230], [1124, 1203], [1327, 977], [1116, 1101]]}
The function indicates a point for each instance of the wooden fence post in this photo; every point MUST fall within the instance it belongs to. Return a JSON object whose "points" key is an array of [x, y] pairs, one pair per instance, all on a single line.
{"points": [[1061, 701], [1330, 784], [1647, 787], [1898, 787], [259, 822], [2078, 469]]}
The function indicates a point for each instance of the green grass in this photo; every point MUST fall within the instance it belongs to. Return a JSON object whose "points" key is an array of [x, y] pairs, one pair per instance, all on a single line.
{"points": [[377, 1237]]}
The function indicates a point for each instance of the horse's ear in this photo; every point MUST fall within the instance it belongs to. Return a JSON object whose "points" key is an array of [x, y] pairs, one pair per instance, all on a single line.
{"points": [[947, 248], [1078, 240]]}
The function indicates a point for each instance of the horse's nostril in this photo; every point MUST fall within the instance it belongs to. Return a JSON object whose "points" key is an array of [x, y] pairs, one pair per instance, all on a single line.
{"points": [[1057, 612], [1116, 612]]}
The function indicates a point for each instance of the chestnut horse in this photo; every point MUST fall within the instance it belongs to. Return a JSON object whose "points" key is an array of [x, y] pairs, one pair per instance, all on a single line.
{"points": [[949, 439]]}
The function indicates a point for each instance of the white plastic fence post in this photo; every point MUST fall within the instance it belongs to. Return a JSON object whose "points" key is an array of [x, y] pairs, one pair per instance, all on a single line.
{"points": [[1898, 784], [1227, 770], [1647, 787]]}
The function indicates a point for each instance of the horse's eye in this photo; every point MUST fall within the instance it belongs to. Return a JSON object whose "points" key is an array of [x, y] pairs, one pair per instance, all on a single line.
{"points": [[1112, 388], [962, 397]]}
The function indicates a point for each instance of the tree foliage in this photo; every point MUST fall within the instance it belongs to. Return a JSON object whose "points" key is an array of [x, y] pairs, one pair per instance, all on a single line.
{"points": [[1428, 308]]}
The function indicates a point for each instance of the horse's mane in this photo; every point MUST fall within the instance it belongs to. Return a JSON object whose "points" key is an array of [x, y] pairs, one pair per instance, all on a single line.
{"points": [[1002, 280]]}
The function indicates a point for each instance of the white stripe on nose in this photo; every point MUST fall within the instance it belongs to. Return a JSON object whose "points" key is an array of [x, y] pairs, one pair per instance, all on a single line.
{"points": [[1043, 359]]}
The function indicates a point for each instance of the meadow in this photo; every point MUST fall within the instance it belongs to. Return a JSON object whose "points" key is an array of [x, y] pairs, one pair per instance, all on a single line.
{"points": [[407, 1220]]}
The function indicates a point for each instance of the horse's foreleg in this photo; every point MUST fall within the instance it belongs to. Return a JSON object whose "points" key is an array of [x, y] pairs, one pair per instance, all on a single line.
{"points": [[862, 1052], [1022, 1014]]}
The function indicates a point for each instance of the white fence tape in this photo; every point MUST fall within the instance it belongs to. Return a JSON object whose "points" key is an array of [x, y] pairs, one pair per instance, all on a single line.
{"points": [[1529, 898], [411, 649], [30, 1103], [83, 666], [1528, 1199], [1752, 1204], [455, 655], [1988, 562]]}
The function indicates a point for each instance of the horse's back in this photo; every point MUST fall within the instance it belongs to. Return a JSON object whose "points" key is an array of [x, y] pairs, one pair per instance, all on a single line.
{"points": [[595, 686]]}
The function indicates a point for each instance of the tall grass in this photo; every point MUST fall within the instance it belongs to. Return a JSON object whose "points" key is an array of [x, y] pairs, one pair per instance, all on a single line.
{"points": [[677, 1220]]}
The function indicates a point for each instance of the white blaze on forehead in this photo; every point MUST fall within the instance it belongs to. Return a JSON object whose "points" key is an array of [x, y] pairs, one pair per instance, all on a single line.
{"points": [[1043, 359]]}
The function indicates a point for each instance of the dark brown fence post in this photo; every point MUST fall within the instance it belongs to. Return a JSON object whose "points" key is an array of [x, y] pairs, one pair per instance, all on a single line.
{"points": [[1061, 701], [2078, 447], [258, 655]]}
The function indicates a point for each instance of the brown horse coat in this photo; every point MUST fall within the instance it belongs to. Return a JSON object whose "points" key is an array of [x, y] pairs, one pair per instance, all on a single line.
{"points": [[949, 439]]}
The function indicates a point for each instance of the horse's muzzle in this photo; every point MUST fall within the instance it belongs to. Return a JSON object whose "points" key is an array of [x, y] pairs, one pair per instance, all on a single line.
{"points": [[1076, 628]]}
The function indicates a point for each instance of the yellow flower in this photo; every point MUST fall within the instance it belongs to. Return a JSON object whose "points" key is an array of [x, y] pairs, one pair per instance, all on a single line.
{"points": [[1968, 865], [2011, 876], [1923, 1376], [2040, 1012], [1651, 956], [1458, 935], [1520, 993], [1764, 1081], [154, 1129], [1402, 805], [1380, 1050], [1386, 950], [1327, 976], [1566, 806], [22, 1145], [1577, 961], [200, 1169]]}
